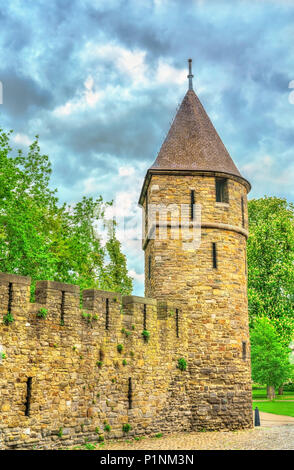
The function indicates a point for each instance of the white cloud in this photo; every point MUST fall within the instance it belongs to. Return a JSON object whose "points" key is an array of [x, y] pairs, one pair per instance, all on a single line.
{"points": [[267, 177], [137, 277], [167, 74], [126, 171], [22, 139], [128, 62], [87, 98], [90, 185]]}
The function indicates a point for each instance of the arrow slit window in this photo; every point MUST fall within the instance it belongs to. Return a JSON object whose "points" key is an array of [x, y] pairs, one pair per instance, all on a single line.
{"points": [[221, 190]]}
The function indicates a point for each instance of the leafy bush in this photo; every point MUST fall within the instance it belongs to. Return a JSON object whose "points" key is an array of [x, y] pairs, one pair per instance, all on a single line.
{"points": [[42, 313], [182, 364], [90, 446], [146, 335], [126, 427], [87, 316], [289, 387], [7, 319], [119, 348]]}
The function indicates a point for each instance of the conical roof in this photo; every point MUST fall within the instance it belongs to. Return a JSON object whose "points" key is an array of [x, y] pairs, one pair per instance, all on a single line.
{"points": [[192, 145], [192, 142]]}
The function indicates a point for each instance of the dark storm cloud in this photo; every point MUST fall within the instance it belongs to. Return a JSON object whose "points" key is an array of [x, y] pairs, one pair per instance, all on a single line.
{"points": [[22, 95]]}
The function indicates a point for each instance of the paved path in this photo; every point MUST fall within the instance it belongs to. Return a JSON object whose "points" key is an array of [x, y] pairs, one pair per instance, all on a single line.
{"points": [[261, 438], [269, 419], [275, 433]]}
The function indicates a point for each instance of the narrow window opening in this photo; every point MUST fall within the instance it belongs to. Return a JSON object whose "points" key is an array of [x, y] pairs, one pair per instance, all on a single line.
{"points": [[244, 350], [9, 297], [130, 394], [107, 314], [101, 355], [145, 318], [149, 267], [221, 190], [62, 308], [177, 322], [214, 256], [28, 397], [192, 204], [242, 209]]}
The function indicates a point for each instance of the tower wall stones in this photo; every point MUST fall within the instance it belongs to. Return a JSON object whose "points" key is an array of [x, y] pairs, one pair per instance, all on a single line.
{"points": [[213, 300]]}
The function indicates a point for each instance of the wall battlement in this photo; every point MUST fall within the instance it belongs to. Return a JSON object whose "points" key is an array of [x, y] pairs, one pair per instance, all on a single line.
{"points": [[68, 366]]}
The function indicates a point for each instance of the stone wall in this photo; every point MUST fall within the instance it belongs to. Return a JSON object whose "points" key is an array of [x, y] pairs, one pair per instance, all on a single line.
{"points": [[62, 378], [213, 299], [79, 381]]}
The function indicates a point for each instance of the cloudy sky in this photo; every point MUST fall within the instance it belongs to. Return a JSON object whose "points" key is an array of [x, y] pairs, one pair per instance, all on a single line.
{"points": [[100, 80]]}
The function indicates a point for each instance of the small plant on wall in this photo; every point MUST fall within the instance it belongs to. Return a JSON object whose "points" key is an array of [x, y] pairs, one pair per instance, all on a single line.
{"points": [[126, 332], [7, 319], [182, 364], [146, 335], [107, 427], [119, 348], [87, 317], [126, 427], [3, 355], [42, 313]]}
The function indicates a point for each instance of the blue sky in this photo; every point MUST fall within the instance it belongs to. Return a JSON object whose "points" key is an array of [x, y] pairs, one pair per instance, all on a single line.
{"points": [[100, 81]]}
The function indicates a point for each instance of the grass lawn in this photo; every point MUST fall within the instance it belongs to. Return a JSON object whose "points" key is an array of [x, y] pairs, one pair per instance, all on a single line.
{"points": [[276, 407], [256, 394]]}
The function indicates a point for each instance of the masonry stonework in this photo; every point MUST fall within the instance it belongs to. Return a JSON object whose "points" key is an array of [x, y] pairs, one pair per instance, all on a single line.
{"points": [[213, 300], [85, 370], [79, 380], [192, 184]]}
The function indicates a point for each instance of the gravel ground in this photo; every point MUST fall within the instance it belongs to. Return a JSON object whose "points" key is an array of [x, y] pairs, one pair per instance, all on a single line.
{"points": [[273, 437]]}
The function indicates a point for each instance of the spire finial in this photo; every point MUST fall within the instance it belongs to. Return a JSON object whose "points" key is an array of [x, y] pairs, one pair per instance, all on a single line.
{"points": [[190, 76]]}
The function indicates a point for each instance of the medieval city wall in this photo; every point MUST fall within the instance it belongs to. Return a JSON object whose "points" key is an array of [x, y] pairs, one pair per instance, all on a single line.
{"points": [[68, 367]]}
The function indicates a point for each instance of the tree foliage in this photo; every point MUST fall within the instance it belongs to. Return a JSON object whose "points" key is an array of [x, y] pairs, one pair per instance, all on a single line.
{"points": [[43, 239], [269, 357], [271, 263]]}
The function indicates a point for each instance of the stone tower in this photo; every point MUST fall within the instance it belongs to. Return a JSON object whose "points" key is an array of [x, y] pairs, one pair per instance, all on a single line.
{"points": [[194, 185]]}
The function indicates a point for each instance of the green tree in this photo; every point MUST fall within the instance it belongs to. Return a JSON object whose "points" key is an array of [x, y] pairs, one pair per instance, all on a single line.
{"points": [[269, 356], [115, 273], [271, 263], [43, 239]]}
